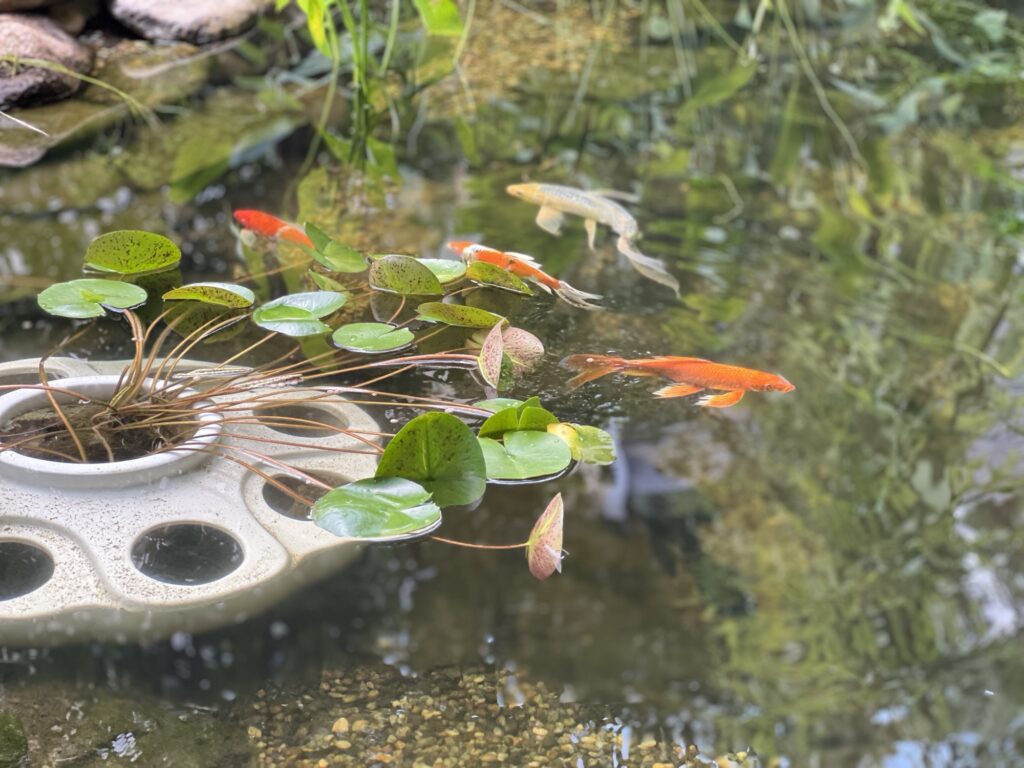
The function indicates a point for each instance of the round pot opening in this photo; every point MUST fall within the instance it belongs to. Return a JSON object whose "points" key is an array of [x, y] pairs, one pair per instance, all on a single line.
{"points": [[287, 505], [117, 447]]}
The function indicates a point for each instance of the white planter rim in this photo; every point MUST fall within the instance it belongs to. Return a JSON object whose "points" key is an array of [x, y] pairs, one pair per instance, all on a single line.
{"points": [[97, 475]]}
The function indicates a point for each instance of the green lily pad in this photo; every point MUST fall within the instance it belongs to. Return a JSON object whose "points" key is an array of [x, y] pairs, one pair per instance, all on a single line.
{"points": [[459, 315], [440, 453], [595, 445], [498, 404], [221, 294], [325, 283], [525, 456], [336, 256], [490, 357], [131, 252], [377, 509], [544, 547], [298, 314], [445, 270], [403, 275], [483, 273], [372, 337], [519, 418], [90, 297]]}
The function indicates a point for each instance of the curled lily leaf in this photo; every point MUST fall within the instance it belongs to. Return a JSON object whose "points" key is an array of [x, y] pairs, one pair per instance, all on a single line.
{"points": [[544, 547], [523, 348], [491, 355]]}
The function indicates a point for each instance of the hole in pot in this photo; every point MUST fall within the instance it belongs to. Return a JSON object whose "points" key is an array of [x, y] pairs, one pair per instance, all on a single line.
{"points": [[186, 553], [283, 504], [277, 417], [24, 568]]}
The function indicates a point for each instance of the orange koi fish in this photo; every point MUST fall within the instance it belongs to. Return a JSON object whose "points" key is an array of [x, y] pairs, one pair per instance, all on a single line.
{"points": [[693, 374], [270, 226], [524, 266]]}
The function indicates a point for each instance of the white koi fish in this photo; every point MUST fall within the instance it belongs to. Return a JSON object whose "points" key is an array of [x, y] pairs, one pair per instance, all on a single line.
{"points": [[595, 208]]}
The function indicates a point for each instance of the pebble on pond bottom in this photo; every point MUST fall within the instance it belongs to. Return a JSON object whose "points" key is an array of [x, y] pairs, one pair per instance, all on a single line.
{"points": [[446, 718]]}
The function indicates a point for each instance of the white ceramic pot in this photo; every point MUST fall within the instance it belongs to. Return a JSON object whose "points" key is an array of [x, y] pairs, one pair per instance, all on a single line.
{"points": [[117, 474], [180, 541]]}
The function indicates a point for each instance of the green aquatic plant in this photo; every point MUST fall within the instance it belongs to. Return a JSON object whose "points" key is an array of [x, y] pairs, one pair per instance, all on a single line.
{"points": [[444, 457]]}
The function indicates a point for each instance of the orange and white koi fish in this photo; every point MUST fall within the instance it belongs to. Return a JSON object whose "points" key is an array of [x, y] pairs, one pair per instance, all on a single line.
{"points": [[270, 226], [693, 375], [555, 201], [524, 266]]}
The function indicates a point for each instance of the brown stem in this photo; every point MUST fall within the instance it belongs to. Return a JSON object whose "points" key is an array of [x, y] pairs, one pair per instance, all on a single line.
{"points": [[470, 545]]}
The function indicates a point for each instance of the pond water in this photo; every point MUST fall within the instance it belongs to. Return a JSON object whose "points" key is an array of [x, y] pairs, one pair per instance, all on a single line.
{"points": [[827, 577]]}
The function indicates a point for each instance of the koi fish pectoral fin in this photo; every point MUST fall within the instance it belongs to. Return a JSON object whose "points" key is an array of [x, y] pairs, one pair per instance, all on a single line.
{"points": [[721, 401], [678, 390], [648, 266], [591, 226], [550, 219]]}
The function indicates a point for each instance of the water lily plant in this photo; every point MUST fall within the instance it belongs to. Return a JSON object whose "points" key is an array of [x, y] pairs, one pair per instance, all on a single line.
{"points": [[317, 343]]}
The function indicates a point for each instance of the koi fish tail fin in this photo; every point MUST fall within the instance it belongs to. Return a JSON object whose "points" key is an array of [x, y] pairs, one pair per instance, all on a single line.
{"points": [[648, 266], [591, 367], [575, 297]]}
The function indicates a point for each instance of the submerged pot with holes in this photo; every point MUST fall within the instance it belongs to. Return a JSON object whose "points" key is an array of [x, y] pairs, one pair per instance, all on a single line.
{"points": [[175, 541]]}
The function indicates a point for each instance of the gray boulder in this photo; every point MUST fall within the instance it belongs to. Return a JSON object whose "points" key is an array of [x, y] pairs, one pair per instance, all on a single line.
{"points": [[37, 37], [195, 21]]}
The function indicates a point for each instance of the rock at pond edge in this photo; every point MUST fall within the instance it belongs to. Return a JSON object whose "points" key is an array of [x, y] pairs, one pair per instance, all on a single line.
{"points": [[195, 21], [38, 37]]}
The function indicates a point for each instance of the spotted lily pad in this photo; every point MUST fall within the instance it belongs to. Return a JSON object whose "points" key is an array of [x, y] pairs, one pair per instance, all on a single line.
{"points": [[336, 256], [459, 315], [298, 314], [525, 456], [89, 297], [221, 294], [372, 337], [131, 252], [544, 547], [484, 273], [440, 453], [403, 275], [377, 509]]}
